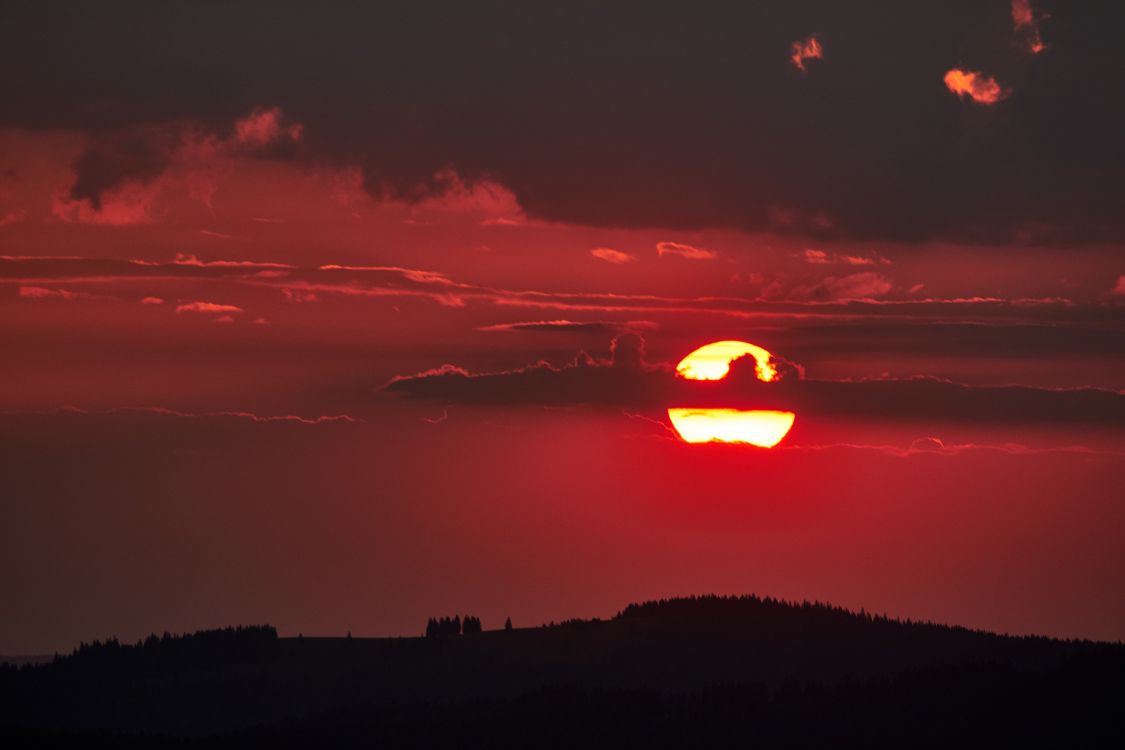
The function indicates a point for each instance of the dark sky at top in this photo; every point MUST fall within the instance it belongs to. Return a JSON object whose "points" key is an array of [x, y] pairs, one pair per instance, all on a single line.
{"points": [[682, 115]]}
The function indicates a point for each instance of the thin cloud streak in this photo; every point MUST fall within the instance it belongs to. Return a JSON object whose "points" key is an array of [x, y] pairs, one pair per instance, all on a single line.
{"points": [[853, 296], [609, 255], [682, 250]]}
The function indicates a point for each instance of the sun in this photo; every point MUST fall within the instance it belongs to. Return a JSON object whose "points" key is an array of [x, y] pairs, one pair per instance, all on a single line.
{"points": [[764, 428], [712, 362]]}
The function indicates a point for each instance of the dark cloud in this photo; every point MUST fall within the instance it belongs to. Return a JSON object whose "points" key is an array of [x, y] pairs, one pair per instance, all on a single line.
{"points": [[606, 114], [626, 381], [109, 163]]}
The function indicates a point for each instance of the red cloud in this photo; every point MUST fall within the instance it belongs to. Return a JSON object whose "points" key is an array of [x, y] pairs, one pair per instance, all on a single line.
{"points": [[130, 176], [1023, 18], [264, 127], [152, 301], [207, 307], [805, 49], [609, 255], [822, 258], [981, 88], [854, 287], [39, 292], [684, 251]]}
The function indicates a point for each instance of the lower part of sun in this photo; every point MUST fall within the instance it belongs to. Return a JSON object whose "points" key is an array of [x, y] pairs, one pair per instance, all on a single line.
{"points": [[764, 429]]}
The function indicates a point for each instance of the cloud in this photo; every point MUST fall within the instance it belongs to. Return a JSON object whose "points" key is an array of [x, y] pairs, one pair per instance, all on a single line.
{"points": [[133, 202], [571, 326], [821, 257], [12, 217], [449, 193], [122, 176], [859, 260], [152, 301], [266, 127], [207, 307], [39, 292], [1119, 288], [187, 259], [1027, 25], [160, 412], [609, 255], [626, 380], [684, 251], [808, 48], [980, 88], [866, 285], [837, 298], [297, 295], [885, 169]]}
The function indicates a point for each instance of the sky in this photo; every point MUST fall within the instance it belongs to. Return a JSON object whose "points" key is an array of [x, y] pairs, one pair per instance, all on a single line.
{"points": [[343, 317]]}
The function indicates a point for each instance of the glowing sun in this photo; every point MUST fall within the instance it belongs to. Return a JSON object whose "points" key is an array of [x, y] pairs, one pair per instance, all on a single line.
{"points": [[763, 428]]}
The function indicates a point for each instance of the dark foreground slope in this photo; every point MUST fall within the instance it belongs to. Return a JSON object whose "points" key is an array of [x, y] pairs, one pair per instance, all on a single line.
{"points": [[688, 672]]}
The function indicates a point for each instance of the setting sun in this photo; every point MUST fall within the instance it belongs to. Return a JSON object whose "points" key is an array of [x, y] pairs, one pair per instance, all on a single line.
{"points": [[712, 362], [764, 428]]}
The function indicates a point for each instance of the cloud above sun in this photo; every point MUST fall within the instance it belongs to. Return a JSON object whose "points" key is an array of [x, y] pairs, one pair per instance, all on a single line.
{"points": [[626, 379]]}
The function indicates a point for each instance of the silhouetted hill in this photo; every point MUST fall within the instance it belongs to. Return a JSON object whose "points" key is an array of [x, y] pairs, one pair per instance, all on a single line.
{"points": [[683, 672]]}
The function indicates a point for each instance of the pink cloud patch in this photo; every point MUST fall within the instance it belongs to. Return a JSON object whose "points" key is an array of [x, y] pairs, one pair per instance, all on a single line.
{"points": [[207, 307], [979, 87], [609, 255], [265, 127], [684, 251], [39, 292], [808, 48], [1026, 24]]}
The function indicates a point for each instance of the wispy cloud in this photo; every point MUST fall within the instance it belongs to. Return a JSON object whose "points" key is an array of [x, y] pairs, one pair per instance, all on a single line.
{"points": [[39, 292], [574, 326], [207, 307], [681, 250], [1026, 24], [822, 257], [808, 48], [609, 255]]}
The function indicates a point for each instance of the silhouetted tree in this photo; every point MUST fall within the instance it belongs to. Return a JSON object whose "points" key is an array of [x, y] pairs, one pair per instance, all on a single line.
{"points": [[508, 624]]}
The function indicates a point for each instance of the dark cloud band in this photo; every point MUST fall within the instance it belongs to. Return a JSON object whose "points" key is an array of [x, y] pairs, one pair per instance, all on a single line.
{"points": [[634, 384], [667, 117]]}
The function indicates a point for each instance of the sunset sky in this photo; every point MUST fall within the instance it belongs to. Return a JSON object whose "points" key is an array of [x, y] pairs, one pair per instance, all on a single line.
{"points": [[342, 318]]}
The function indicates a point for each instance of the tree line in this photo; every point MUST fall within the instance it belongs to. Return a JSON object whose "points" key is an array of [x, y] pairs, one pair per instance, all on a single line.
{"points": [[444, 627]]}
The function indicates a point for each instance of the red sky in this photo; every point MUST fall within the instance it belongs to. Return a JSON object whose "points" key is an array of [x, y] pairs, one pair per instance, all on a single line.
{"points": [[203, 289]]}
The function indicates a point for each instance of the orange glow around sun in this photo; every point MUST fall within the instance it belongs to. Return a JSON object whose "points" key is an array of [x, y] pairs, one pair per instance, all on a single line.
{"points": [[761, 427]]}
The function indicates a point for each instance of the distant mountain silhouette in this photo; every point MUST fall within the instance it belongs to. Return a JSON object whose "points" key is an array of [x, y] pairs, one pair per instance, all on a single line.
{"points": [[679, 673]]}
